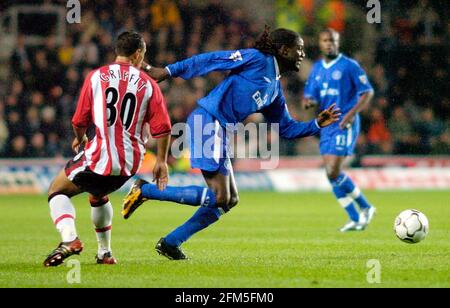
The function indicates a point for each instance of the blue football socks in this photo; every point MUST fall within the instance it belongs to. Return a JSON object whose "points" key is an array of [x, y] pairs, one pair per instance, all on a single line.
{"points": [[190, 195], [346, 202], [347, 185], [201, 219]]}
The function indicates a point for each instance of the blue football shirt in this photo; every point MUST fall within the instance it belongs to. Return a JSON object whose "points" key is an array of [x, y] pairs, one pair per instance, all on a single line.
{"points": [[253, 85], [340, 81]]}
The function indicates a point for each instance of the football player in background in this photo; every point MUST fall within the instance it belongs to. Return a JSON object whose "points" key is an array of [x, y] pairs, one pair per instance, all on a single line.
{"points": [[337, 79]]}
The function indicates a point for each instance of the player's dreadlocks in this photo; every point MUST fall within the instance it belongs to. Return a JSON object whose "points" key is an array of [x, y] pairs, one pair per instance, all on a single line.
{"points": [[270, 42]]}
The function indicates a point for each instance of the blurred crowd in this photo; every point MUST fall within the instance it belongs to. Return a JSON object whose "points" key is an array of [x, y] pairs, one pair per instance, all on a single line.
{"points": [[409, 115]]}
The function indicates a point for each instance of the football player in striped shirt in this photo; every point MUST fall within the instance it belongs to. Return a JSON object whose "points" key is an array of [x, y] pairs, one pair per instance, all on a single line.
{"points": [[123, 105]]}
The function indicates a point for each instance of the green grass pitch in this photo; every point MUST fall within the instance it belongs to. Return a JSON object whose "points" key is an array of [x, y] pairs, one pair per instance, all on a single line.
{"points": [[268, 240]]}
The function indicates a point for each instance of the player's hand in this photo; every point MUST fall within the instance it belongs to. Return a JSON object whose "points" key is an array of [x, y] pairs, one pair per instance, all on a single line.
{"points": [[157, 73], [347, 120], [76, 144], [307, 103], [329, 116], [161, 174]]}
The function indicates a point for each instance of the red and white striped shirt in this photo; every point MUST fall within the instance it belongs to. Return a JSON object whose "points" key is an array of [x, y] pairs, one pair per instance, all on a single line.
{"points": [[119, 100]]}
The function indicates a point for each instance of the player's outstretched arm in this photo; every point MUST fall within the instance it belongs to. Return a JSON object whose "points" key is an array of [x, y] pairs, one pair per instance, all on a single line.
{"points": [[157, 73], [328, 116], [202, 64], [289, 128], [308, 103]]}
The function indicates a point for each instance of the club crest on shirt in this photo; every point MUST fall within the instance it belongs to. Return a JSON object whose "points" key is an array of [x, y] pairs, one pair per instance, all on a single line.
{"points": [[363, 79], [336, 75]]}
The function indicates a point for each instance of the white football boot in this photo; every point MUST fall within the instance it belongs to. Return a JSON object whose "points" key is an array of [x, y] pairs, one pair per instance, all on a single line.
{"points": [[367, 215], [352, 226]]}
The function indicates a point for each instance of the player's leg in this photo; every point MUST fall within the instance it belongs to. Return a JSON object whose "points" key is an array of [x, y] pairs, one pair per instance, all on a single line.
{"points": [[202, 218], [63, 215], [352, 191], [142, 191], [234, 194], [333, 166], [216, 169], [367, 210], [102, 215]]}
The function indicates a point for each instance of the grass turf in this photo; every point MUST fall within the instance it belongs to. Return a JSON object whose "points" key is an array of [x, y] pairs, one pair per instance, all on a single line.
{"points": [[269, 240]]}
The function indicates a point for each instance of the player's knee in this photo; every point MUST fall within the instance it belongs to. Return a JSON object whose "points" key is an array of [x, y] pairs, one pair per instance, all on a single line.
{"points": [[96, 201], [333, 173], [52, 190], [222, 199], [234, 200]]}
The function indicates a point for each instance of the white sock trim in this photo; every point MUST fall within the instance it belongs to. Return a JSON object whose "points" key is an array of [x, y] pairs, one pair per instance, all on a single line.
{"points": [[202, 201], [345, 202], [356, 193]]}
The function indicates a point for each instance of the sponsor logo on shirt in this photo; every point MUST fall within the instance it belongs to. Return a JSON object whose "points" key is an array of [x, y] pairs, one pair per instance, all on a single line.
{"points": [[259, 100], [328, 91]]}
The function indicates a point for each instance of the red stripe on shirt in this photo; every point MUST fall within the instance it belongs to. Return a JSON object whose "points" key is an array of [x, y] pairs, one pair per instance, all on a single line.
{"points": [[136, 151], [119, 129]]}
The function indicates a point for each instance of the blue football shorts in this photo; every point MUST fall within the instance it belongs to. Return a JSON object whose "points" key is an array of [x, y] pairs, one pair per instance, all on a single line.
{"points": [[208, 143], [339, 142]]}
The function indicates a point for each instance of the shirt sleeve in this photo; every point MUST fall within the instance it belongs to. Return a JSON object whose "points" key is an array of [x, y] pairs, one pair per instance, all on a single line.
{"points": [[359, 79], [158, 117], [311, 90], [277, 112], [205, 63], [83, 112]]}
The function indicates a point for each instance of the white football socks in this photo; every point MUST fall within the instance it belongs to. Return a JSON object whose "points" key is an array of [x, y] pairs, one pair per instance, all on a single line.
{"points": [[102, 218], [63, 215]]}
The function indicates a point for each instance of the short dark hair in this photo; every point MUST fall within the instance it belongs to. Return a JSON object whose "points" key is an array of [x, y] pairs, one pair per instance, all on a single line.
{"points": [[330, 31], [128, 42], [270, 42]]}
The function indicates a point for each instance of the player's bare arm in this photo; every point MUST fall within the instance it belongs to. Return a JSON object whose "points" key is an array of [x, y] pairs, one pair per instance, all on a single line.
{"points": [[308, 103], [328, 116], [80, 138], [364, 99], [157, 73], [161, 170]]}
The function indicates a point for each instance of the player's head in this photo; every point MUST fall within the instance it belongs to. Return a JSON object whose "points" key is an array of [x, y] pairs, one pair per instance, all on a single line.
{"points": [[286, 45], [132, 46], [329, 43]]}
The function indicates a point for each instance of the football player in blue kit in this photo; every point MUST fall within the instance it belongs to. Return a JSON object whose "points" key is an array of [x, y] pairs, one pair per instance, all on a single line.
{"points": [[337, 79], [252, 86]]}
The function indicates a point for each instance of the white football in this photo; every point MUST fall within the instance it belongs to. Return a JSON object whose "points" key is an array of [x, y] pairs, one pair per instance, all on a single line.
{"points": [[411, 226]]}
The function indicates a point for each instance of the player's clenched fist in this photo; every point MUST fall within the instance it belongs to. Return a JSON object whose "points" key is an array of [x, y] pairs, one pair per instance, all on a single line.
{"points": [[329, 116], [77, 144]]}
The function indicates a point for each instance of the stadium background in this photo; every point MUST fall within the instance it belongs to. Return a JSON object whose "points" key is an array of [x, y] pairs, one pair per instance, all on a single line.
{"points": [[44, 59]]}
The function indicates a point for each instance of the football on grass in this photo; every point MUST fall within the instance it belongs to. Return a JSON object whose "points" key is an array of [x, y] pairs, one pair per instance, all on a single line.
{"points": [[411, 226]]}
